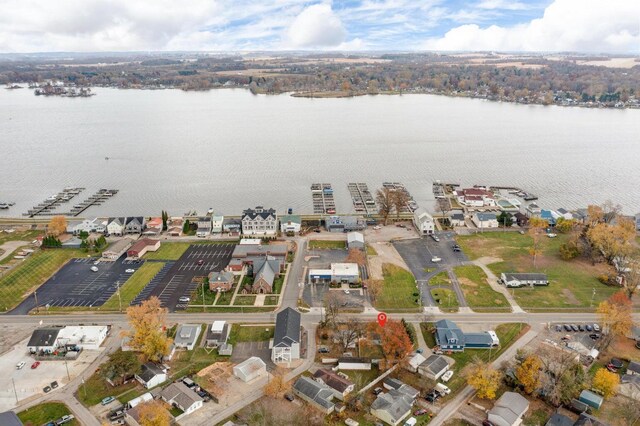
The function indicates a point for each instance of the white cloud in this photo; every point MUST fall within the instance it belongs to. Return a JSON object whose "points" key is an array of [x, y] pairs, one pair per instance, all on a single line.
{"points": [[316, 26], [502, 4], [567, 25]]}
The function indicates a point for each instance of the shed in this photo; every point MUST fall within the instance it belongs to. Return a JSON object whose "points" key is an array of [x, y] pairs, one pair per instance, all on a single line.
{"points": [[250, 369], [355, 240], [414, 362], [591, 399]]}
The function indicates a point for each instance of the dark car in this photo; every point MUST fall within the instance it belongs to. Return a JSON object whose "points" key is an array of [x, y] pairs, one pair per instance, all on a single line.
{"points": [[567, 327], [580, 327], [377, 391], [574, 327], [54, 385], [588, 327], [47, 389], [616, 363], [200, 262], [487, 423], [558, 327], [432, 397], [420, 412], [456, 247], [323, 350], [594, 336], [289, 397]]}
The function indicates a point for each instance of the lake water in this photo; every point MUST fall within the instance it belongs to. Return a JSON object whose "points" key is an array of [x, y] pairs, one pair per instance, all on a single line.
{"points": [[230, 150]]}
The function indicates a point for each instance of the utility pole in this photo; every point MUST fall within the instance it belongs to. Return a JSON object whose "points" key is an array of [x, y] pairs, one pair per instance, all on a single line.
{"points": [[119, 298], [203, 307], [35, 295], [14, 389], [67, 367], [593, 296]]}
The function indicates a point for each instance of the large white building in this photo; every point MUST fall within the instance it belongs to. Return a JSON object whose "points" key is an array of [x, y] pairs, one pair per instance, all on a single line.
{"points": [[339, 273], [475, 197], [52, 338], [423, 221], [259, 221]]}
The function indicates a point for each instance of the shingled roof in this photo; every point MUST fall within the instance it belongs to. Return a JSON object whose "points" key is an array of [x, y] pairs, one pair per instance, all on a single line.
{"points": [[287, 330]]}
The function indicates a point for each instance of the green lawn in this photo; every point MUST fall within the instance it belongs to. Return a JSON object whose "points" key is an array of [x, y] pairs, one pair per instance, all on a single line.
{"points": [[371, 251], [209, 296], [477, 291], [271, 300], [327, 244], [427, 335], [445, 299], [168, 251], [19, 236], [44, 413], [571, 282], [441, 278], [34, 271], [398, 290], [134, 285], [249, 333], [225, 297], [242, 300], [10, 258], [278, 283], [95, 389]]}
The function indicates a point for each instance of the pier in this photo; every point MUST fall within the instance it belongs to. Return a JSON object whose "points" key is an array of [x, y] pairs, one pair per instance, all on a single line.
{"points": [[47, 206], [411, 205], [363, 201], [322, 196], [96, 199], [527, 196]]}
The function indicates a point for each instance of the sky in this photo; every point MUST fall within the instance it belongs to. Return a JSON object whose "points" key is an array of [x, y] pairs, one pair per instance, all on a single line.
{"points": [[590, 26]]}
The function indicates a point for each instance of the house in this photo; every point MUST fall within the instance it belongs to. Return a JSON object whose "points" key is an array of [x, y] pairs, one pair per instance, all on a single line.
{"points": [[340, 386], [456, 218], [433, 367], [351, 363], [221, 281], [141, 247], [584, 345], [633, 368], [588, 420], [475, 197], [179, 395], [9, 418], [231, 225], [532, 210], [216, 224], [450, 338], [345, 223], [558, 419], [87, 225], [630, 386], [290, 224], [521, 219], [117, 249], [423, 221], [401, 387], [355, 240], [151, 375], [508, 409], [250, 369], [591, 399], [187, 336], [315, 393], [175, 226], [264, 276], [134, 225], [44, 339], [217, 334], [249, 254], [485, 220], [259, 221], [512, 279], [204, 226], [115, 226], [391, 407], [549, 216], [414, 361], [153, 227], [286, 338], [565, 214]]}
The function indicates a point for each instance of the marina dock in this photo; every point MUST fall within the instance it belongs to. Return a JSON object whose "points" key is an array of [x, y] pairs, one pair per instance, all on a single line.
{"points": [[527, 196], [397, 186], [322, 197], [363, 201], [96, 199], [47, 207]]}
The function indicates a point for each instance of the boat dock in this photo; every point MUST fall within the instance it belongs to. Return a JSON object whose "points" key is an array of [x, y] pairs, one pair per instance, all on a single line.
{"points": [[47, 207], [527, 196], [96, 199], [363, 201], [411, 205], [438, 190], [322, 196]]}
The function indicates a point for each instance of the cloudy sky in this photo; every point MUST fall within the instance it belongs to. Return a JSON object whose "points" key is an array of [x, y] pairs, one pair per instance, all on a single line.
{"points": [[348, 25]]}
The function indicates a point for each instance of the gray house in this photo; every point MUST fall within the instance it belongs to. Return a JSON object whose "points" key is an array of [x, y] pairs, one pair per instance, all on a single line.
{"points": [[187, 336], [217, 334], [405, 389], [355, 240], [508, 409], [9, 418], [433, 367], [286, 338], [315, 393], [259, 221], [345, 223], [392, 407], [204, 226], [134, 225]]}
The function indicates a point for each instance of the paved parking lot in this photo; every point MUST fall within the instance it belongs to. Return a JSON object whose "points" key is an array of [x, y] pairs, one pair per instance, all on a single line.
{"points": [[314, 294], [245, 350], [197, 261], [75, 284]]}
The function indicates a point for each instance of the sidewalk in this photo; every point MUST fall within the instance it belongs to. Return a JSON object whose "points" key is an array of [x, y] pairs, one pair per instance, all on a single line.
{"points": [[493, 282]]}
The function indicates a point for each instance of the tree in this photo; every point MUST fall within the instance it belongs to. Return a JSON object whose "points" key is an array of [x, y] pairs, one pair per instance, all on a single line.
{"points": [[595, 215], [565, 225], [631, 276], [483, 378], [165, 218], [349, 332], [396, 343], [613, 242], [615, 317], [277, 385], [400, 199], [528, 373], [186, 227], [443, 205], [606, 382], [562, 376], [57, 226], [374, 288], [505, 219], [536, 230], [384, 198], [147, 329], [356, 256], [153, 413], [120, 365], [332, 303], [83, 235]]}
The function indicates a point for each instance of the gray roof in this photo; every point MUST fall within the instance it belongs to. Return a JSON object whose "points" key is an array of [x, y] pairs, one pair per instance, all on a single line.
{"points": [[258, 212], [187, 334], [317, 392], [251, 365], [457, 216], [634, 367], [118, 220], [435, 364], [265, 272], [287, 330], [9, 418], [445, 330], [135, 220], [247, 250], [403, 388], [355, 237], [149, 371], [343, 220], [486, 216], [559, 420], [179, 393], [525, 276], [588, 420], [482, 338], [44, 336], [511, 406], [222, 276], [395, 403]]}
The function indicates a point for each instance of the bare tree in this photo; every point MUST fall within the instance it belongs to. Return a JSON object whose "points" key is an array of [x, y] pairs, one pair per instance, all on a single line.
{"points": [[332, 303], [561, 374], [400, 200], [631, 276], [610, 211], [443, 205], [349, 332], [384, 198]]}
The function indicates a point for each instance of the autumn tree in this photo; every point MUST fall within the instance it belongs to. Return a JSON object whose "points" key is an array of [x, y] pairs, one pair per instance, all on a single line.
{"points": [[595, 215], [615, 315], [153, 413], [277, 385], [374, 288], [120, 365], [400, 199], [562, 376], [483, 378], [613, 241], [606, 382], [396, 343], [356, 255], [385, 200], [537, 227], [631, 276], [147, 329], [565, 225], [528, 373], [57, 226]]}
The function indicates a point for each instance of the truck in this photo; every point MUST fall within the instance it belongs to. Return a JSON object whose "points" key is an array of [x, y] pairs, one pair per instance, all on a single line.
{"points": [[442, 389]]}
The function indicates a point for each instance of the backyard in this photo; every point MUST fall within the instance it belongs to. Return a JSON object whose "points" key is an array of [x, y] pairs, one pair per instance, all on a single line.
{"points": [[134, 285], [399, 290], [327, 244], [573, 284], [249, 333], [44, 413], [95, 388], [477, 291]]}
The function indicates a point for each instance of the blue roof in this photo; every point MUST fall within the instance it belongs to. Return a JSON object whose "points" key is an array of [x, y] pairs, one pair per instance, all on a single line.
{"points": [[478, 339], [447, 330]]}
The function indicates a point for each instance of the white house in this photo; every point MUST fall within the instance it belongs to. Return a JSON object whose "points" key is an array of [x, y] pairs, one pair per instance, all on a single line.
{"points": [[423, 221], [204, 226], [151, 375], [391, 407], [87, 225], [290, 223], [179, 395], [485, 220], [115, 226], [475, 197], [259, 221], [456, 218], [187, 336], [216, 224], [355, 240], [286, 339], [533, 210], [250, 369], [51, 338], [512, 279]]}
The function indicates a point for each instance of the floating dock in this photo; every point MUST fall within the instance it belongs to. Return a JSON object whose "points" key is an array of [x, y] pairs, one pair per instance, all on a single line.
{"points": [[527, 196], [411, 205], [322, 197], [96, 199], [47, 207], [363, 201]]}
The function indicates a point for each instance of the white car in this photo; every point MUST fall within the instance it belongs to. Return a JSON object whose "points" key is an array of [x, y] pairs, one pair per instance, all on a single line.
{"points": [[435, 259], [184, 299], [552, 235], [346, 291], [20, 365], [94, 268], [377, 227], [130, 271], [447, 376]]}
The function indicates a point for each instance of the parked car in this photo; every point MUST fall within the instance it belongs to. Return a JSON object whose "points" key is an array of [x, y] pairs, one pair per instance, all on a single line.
{"points": [[377, 391], [346, 291], [46, 389], [118, 422], [317, 230], [377, 227], [435, 238], [594, 336], [580, 327], [588, 327], [565, 338], [432, 396], [419, 350], [323, 350], [94, 268], [20, 365], [615, 363], [421, 412], [200, 262], [456, 248], [184, 299], [35, 365], [442, 389], [130, 271], [558, 327], [574, 327], [447, 376], [54, 385], [107, 400], [567, 327], [401, 225], [596, 327], [289, 397], [435, 259], [65, 419]]}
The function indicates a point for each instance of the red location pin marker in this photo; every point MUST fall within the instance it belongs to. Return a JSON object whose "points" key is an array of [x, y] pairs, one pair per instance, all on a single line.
{"points": [[382, 319]]}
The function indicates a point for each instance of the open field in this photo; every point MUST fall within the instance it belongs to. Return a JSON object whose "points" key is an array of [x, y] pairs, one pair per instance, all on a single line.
{"points": [[19, 282], [45, 413], [19, 236], [477, 292], [398, 290], [168, 251], [572, 283], [241, 333], [327, 244], [133, 285], [441, 278]]}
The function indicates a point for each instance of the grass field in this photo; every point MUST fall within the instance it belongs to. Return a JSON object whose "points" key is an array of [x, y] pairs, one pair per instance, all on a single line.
{"points": [[34, 271], [134, 285], [441, 278], [327, 244], [271, 300], [428, 337], [19, 236], [45, 413], [248, 300], [445, 299], [95, 389], [168, 251], [477, 291], [248, 333], [371, 251], [397, 290], [572, 283]]}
